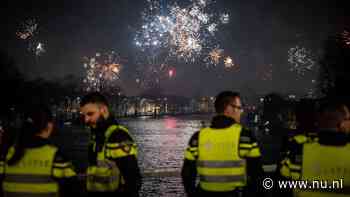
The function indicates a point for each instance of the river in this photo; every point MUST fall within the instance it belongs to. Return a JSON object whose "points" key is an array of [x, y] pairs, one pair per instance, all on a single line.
{"points": [[161, 144]]}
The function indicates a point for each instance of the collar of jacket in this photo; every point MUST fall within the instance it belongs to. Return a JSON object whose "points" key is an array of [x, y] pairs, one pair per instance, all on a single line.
{"points": [[102, 127], [222, 121], [37, 141], [332, 138]]}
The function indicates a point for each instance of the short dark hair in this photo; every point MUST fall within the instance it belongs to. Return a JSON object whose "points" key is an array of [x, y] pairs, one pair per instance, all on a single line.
{"points": [[94, 97], [223, 99], [331, 114], [40, 117], [37, 118]]}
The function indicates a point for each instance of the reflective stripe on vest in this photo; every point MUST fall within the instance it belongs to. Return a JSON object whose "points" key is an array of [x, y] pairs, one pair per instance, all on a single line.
{"points": [[32, 174], [326, 163], [221, 179], [28, 178], [219, 166], [20, 194], [2, 167], [105, 176]]}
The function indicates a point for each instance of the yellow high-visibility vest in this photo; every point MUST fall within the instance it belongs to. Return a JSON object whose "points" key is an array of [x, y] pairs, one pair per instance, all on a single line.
{"points": [[32, 174], [219, 165], [326, 168], [106, 176]]}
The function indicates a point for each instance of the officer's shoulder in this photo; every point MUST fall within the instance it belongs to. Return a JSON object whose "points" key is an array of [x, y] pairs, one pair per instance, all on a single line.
{"points": [[194, 139], [247, 135], [52, 146], [120, 134], [60, 157], [300, 139], [245, 131], [296, 143]]}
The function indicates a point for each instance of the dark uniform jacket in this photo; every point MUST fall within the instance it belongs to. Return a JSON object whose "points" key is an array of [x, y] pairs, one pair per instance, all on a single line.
{"points": [[127, 165]]}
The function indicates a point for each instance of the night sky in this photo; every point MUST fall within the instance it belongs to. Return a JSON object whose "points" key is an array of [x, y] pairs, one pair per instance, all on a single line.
{"points": [[259, 33]]}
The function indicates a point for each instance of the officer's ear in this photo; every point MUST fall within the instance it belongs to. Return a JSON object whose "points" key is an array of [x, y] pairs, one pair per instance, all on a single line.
{"points": [[47, 131], [104, 111], [50, 127], [344, 126]]}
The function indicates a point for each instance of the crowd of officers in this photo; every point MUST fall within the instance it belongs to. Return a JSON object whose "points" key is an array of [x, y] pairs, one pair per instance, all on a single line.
{"points": [[223, 159]]}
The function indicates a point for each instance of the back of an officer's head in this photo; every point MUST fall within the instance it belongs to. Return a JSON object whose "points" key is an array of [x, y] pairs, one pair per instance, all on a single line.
{"points": [[94, 98], [306, 115], [41, 118], [223, 100], [333, 115], [39, 122]]}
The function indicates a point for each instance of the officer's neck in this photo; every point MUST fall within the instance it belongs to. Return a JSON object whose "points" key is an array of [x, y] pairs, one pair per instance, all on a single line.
{"points": [[44, 134], [103, 125]]}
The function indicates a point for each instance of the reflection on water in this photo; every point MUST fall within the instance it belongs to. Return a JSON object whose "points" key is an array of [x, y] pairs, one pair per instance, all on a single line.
{"points": [[161, 145]]}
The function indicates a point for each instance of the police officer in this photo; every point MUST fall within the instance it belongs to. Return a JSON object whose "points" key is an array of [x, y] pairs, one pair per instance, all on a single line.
{"points": [[33, 166], [324, 157], [225, 155], [113, 167]]}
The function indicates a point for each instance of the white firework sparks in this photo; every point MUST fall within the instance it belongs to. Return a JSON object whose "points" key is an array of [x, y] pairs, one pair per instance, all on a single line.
{"points": [[39, 49], [214, 56], [202, 3], [102, 71], [27, 29], [185, 32], [228, 62], [346, 37], [28, 33], [212, 28], [300, 60], [153, 33], [225, 18]]}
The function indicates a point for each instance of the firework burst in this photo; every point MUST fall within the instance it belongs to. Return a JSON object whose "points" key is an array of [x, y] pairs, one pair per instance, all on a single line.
{"points": [[39, 49], [229, 62], [214, 57], [300, 60], [27, 29], [225, 18], [346, 37], [102, 71], [28, 33], [185, 32]]}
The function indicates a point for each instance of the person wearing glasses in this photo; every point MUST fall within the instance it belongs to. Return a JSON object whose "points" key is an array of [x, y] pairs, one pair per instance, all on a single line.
{"points": [[225, 156]]}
